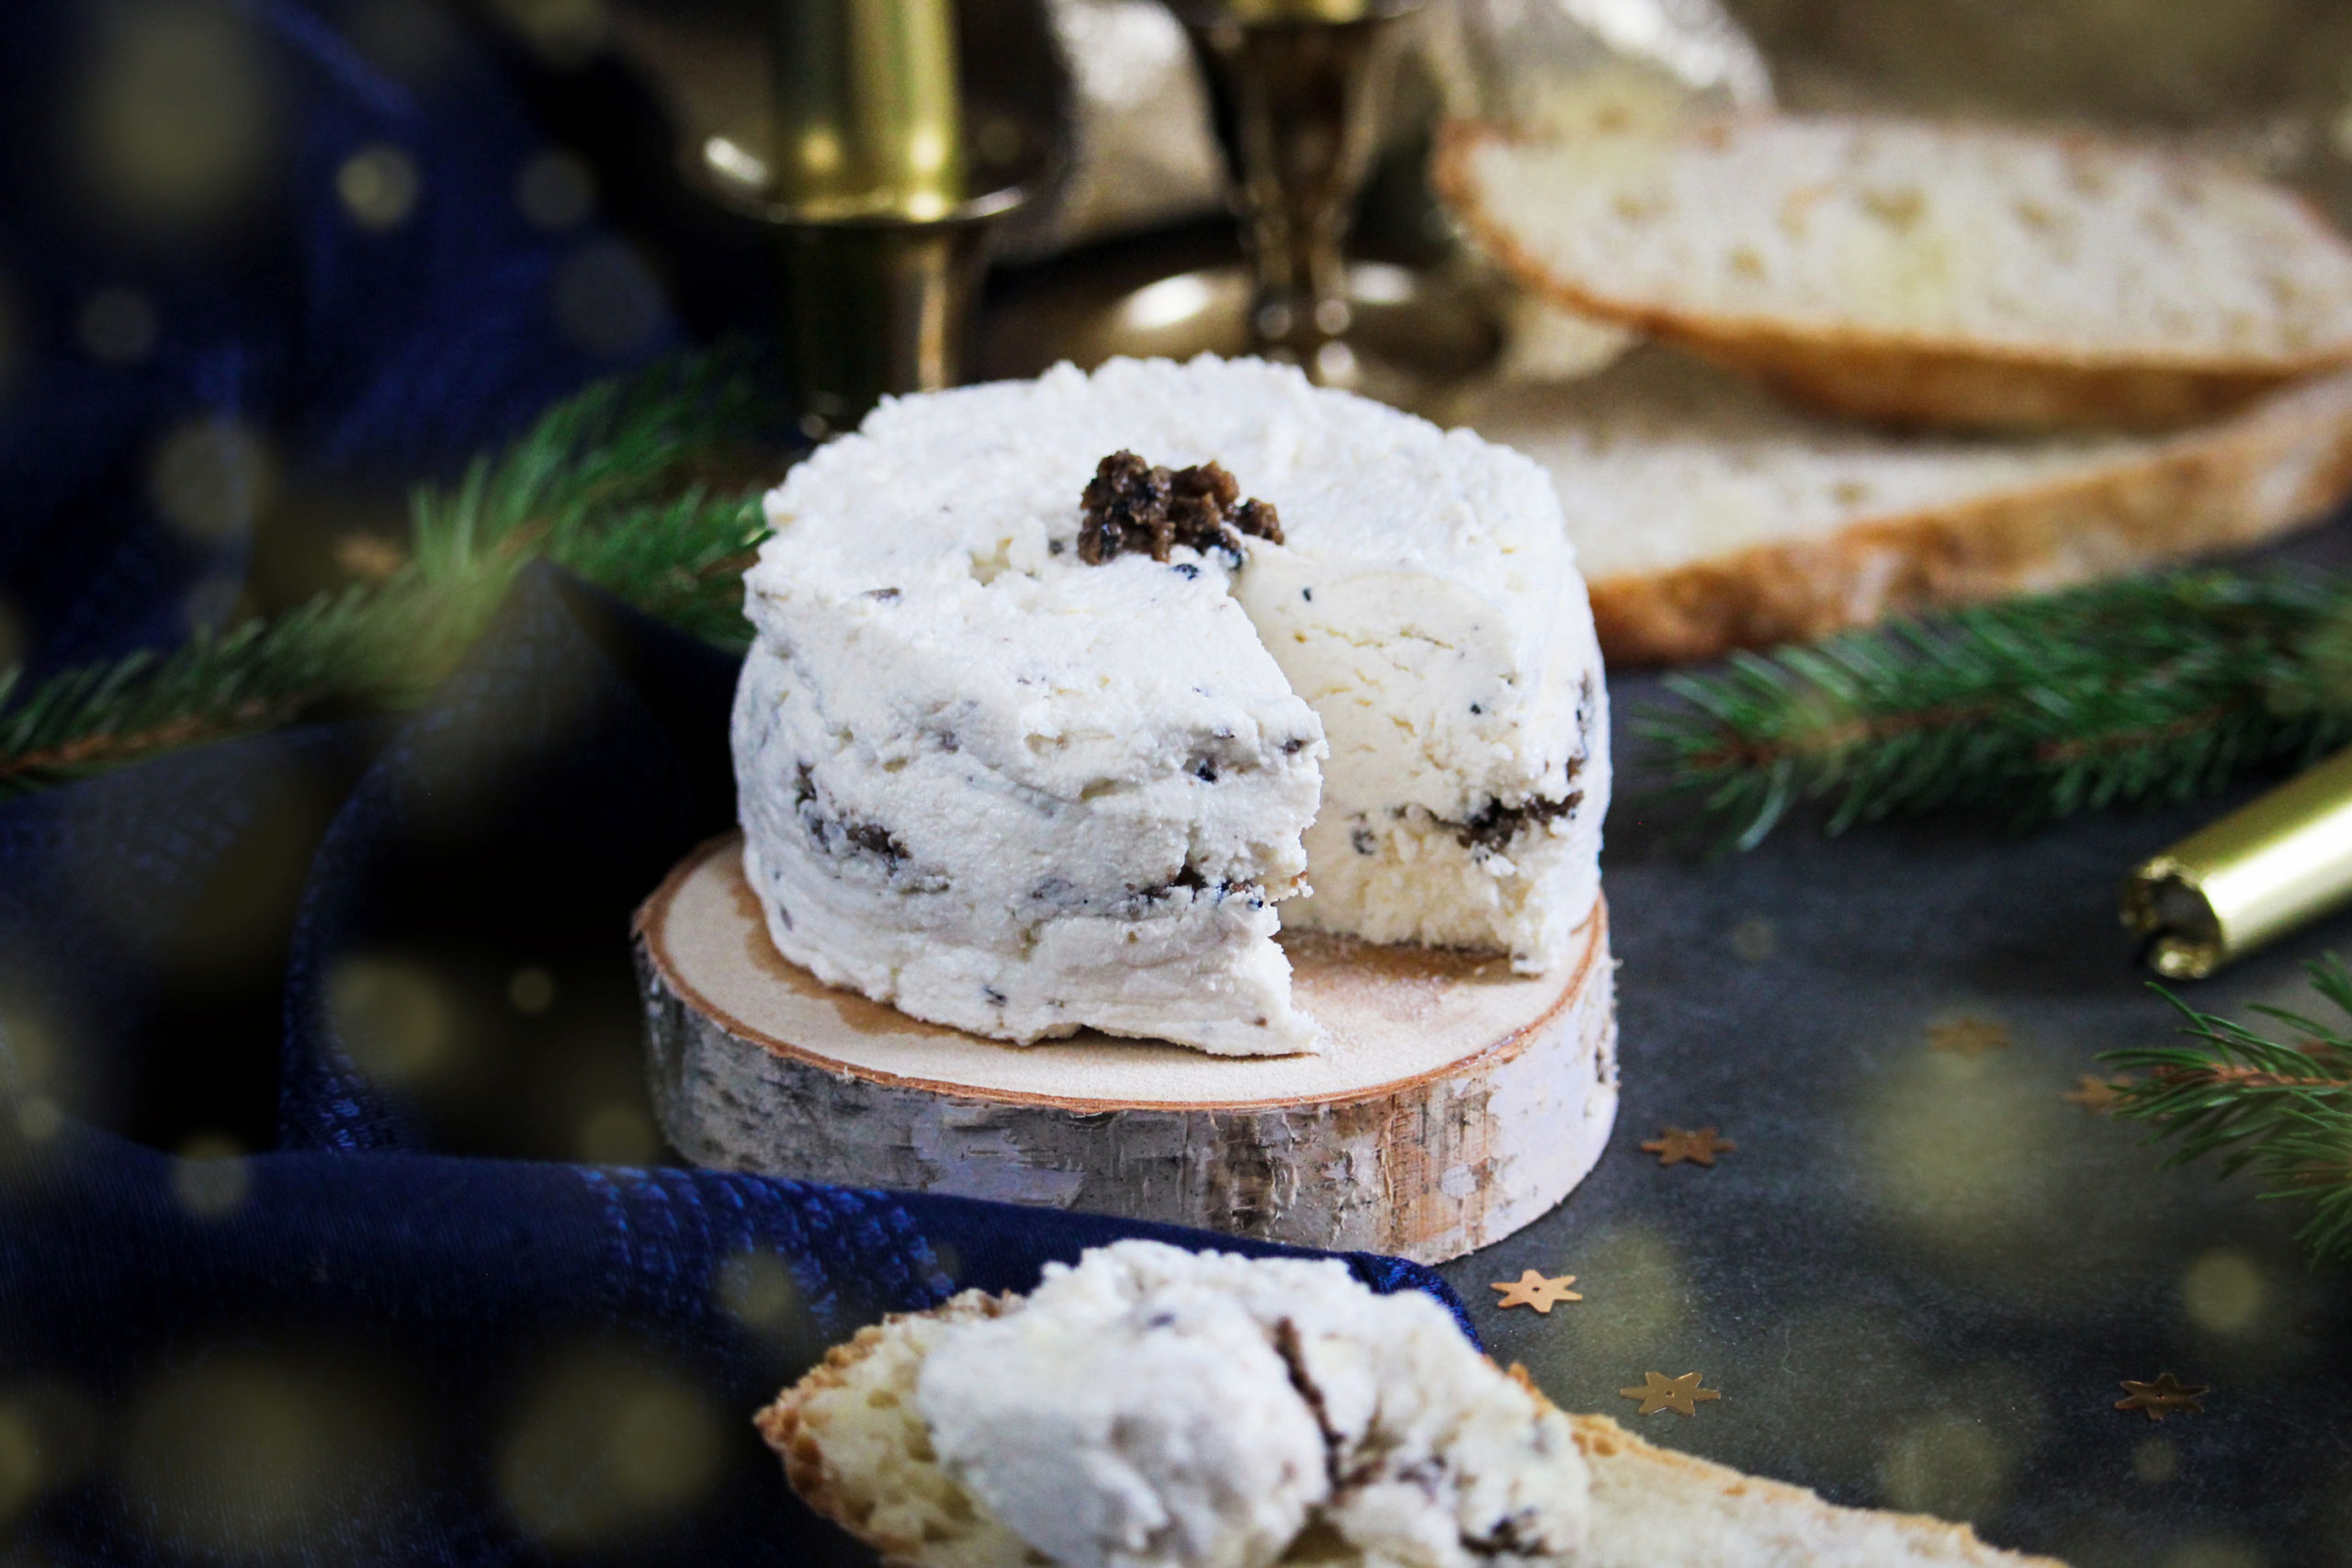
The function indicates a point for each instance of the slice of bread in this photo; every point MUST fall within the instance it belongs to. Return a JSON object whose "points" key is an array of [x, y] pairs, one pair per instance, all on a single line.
{"points": [[1707, 516], [1922, 273], [857, 1452]]}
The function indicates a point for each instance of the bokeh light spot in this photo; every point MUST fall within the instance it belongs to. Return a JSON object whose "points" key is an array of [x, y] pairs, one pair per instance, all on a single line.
{"points": [[565, 32], [2215, 1551], [10, 349], [244, 1455], [175, 112], [117, 326], [755, 1289], [211, 1178], [1961, 1148], [213, 478], [378, 186], [40, 1118], [603, 1442], [605, 301], [618, 1133], [531, 991], [213, 603], [36, 1069], [28, 1045], [23, 1469], [1755, 939], [2156, 1459], [398, 1024], [1637, 1302], [2223, 1291], [49, 1433], [556, 190], [412, 40], [1946, 1465]]}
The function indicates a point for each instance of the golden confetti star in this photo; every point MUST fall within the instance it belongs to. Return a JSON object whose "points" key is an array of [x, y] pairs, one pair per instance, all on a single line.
{"points": [[1532, 1290], [1675, 1145], [1680, 1394], [1969, 1037], [2163, 1396], [2094, 1094]]}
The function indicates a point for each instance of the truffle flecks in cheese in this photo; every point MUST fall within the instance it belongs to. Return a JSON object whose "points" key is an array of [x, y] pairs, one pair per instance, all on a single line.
{"points": [[1159, 1408], [1022, 778]]}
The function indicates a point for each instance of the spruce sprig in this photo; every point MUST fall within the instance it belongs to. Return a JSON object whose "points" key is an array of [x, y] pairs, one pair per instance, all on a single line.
{"points": [[2159, 690], [609, 484], [2285, 1110]]}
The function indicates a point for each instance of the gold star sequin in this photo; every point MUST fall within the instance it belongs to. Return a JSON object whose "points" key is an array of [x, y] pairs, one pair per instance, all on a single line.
{"points": [[2094, 1094], [1680, 1394], [1675, 1145], [1969, 1037], [1532, 1290], [2162, 1397]]}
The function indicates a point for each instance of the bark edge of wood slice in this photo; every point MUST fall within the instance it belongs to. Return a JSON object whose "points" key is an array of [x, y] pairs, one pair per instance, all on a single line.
{"points": [[1454, 1103]]}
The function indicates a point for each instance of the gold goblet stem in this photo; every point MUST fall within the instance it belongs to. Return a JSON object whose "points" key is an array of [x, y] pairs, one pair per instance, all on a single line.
{"points": [[1294, 89]]}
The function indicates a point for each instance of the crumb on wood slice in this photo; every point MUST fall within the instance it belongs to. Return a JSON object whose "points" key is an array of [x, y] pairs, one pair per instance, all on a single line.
{"points": [[1133, 507]]}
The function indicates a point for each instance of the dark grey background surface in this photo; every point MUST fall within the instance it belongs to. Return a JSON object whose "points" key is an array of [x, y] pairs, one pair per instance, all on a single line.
{"points": [[1921, 1276]]}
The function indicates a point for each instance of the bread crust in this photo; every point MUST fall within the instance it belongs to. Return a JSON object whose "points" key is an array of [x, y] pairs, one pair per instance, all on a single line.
{"points": [[2280, 464], [786, 1427], [1896, 378], [1601, 1438]]}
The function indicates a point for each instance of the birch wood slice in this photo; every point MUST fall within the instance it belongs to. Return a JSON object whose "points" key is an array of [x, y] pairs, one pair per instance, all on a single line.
{"points": [[1455, 1102]]}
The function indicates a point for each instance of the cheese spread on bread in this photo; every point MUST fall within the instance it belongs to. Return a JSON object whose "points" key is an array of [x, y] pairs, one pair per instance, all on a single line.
{"points": [[1158, 1408]]}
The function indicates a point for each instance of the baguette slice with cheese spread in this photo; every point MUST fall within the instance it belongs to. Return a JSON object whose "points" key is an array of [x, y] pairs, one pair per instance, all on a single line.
{"points": [[857, 1450]]}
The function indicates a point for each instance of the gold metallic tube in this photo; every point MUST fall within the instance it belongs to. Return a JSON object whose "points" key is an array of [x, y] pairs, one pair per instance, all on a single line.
{"points": [[868, 115], [2263, 871]]}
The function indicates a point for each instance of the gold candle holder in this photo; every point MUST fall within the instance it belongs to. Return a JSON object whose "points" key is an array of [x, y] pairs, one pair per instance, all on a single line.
{"points": [[868, 108], [1293, 86], [880, 204], [2265, 870]]}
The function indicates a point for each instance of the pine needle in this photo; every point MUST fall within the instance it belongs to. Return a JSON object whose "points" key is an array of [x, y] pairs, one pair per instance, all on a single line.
{"points": [[605, 483], [2147, 692], [2284, 1110]]}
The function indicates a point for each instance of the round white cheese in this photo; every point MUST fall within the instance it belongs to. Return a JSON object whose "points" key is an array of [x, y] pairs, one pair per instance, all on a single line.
{"points": [[1015, 792]]}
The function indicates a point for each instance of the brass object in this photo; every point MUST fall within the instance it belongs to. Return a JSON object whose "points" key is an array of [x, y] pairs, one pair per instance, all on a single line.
{"points": [[873, 303], [1532, 1290], [2257, 874], [1682, 1395], [1291, 92], [2162, 1397], [1675, 1144], [1293, 86], [882, 168], [868, 110], [1443, 328]]}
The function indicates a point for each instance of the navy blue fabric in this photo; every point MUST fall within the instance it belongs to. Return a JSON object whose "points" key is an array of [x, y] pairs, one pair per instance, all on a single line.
{"points": [[376, 1336], [353, 349]]}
